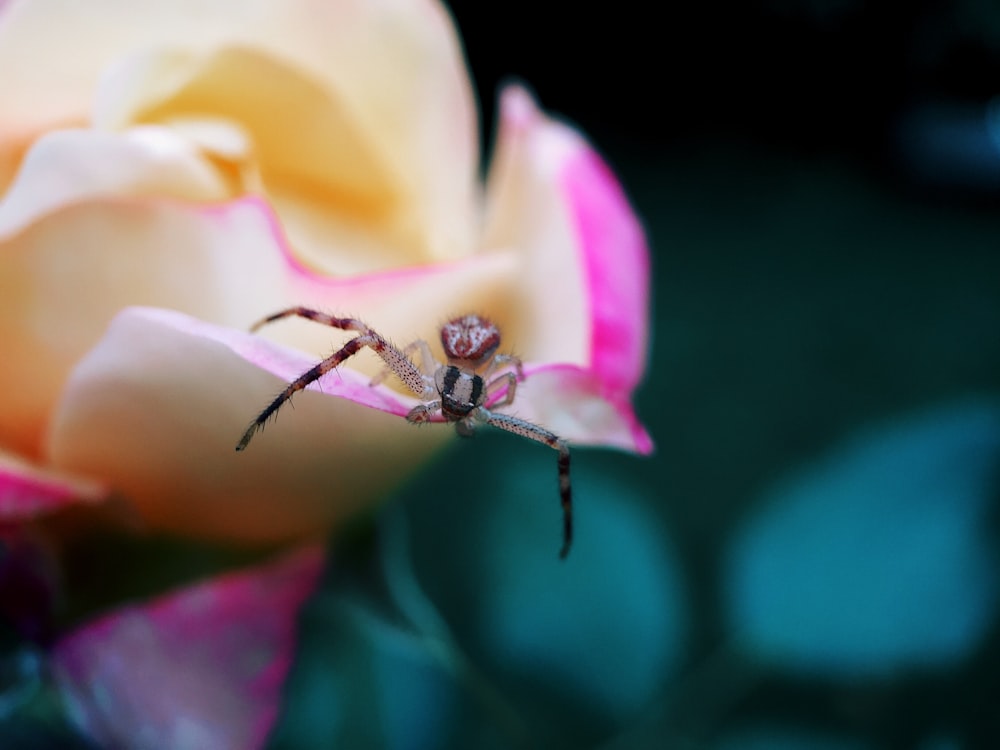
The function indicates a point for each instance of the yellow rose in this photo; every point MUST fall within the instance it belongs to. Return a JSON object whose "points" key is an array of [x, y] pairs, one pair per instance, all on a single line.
{"points": [[171, 172]]}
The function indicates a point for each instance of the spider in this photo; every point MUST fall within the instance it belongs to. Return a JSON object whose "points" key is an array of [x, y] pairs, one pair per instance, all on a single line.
{"points": [[456, 388]]}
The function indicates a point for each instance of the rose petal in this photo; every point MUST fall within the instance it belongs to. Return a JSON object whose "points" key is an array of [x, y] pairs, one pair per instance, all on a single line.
{"points": [[404, 304], [572, 402], [585, 286], [201, 667], [287, 364], [28, 492], [344, 100], [67, 167], [616, 261], [63, 279], [67, 275], [156, 409], [528, 214], [586, 292]]}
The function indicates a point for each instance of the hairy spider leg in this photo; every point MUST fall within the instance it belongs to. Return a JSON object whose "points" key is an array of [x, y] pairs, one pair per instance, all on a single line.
{"points": [[394, 358], [541, 435], [500, 360], [508, 397], [423, 412], [428, 365]]}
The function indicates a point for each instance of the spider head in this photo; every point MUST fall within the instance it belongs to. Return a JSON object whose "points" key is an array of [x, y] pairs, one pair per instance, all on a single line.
{"points": [[470, 339]]}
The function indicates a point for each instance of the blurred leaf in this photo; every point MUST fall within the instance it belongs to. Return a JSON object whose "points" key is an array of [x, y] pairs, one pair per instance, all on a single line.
{"points": [[879, 557], [364, 676], [576, 647]]}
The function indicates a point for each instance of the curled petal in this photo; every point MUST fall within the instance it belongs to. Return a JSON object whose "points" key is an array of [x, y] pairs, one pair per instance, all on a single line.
{"points": [[200, 667], [586, 291], [71, 166], [156, 410], [527, 214], [616, 260], [572, 402]]}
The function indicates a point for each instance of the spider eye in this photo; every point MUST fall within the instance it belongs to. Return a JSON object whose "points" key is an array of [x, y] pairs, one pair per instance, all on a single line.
{"points": [[470, 337]]}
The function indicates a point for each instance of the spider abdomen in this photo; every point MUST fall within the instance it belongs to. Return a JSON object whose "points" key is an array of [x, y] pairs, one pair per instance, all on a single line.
{"points": [[470, 338], [461, 391]]}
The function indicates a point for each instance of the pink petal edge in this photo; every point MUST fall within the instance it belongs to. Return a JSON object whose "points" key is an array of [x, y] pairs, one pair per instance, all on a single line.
{"points": [[617, 265], [570, 382], [613, 252], [281, 361], [573, 402], [28, 491], [200, 667]]}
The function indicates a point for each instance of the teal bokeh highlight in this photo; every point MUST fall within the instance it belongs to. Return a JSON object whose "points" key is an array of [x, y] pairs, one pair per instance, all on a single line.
{"points": [[880, 556]]}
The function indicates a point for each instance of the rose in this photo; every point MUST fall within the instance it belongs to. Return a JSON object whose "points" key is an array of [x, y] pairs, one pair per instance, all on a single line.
{"points": [[224, 162], [212, 165]]}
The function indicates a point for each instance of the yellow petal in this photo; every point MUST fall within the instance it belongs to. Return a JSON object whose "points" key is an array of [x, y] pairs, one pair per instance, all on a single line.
{"points": [[357, 108]]}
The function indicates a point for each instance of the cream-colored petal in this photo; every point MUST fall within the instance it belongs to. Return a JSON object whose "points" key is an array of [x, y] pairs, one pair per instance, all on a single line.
{"points": [[528, 213], [403, 305], [156, 409], [65, 276], [364, 105], [66, 167]]}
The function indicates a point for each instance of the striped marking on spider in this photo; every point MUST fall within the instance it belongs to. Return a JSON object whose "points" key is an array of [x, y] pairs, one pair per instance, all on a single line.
{"points": [[458, 389]]}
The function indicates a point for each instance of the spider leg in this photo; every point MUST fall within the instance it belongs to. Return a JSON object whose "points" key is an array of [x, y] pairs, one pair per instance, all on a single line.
{"points": [[422, 412], [508, 398], [345, 324], [394, 358], [541, 435], [500, 360], [427, 363]]}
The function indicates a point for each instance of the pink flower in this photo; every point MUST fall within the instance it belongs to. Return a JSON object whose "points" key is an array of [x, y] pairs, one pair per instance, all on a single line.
{"points": [[216, 163], [171, 172]]}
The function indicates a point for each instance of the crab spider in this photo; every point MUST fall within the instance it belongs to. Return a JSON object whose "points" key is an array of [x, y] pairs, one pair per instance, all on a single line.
{"points": [[456, 388]]}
